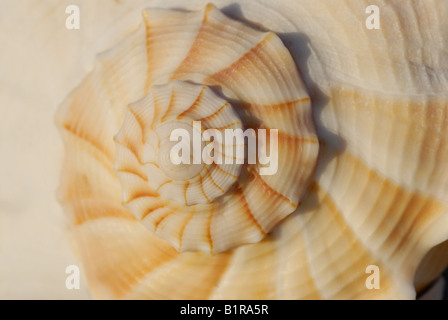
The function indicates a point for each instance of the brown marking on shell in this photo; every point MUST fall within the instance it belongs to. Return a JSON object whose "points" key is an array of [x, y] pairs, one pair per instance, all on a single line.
{"points": [[214, 114], [202, 188], [88, 209], [193, 106], [244, 62], [152, 163], [140, 194], [272, 108], [194, 55], [209, 231], [124, 142], [170, 105], [162, 184], [132, 171], [156, 112], [215, 166], [100, 154], [163, 217], [75, 132], [182, 229], [245, 206], [152, 208], [140, 123], [227, 126], [187, 184], [213, 182], [120, 271]]}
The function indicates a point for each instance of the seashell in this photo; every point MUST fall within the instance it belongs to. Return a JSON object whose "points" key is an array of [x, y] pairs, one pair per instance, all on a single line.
{"points": [[362, 177], [211, 207]]}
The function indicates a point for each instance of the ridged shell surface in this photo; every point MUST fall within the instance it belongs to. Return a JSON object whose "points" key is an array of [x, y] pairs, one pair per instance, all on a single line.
{"points": [[370, 188], [212, 207]]}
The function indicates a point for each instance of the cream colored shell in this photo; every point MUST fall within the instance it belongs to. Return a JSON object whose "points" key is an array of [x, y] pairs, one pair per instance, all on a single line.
{"points": [[378, 196], [215, 207]]}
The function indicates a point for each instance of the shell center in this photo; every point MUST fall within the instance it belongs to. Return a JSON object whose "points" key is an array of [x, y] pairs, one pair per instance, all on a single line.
{"points": [[176, 157]]}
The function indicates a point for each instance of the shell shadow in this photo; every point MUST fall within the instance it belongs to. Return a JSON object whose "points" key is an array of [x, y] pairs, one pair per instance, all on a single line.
{"points": [[234, 11], [330, 144]]}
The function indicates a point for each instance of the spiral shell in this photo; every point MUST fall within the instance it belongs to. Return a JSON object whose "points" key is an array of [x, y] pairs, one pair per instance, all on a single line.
{"points": [[218, 206], [376, 195]]}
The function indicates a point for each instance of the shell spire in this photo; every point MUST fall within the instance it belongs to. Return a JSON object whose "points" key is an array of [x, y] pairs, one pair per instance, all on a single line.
{"points": [[218, 206]]}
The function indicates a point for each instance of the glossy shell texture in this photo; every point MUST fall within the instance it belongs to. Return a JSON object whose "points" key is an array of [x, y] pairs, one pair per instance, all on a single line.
{"points": [[376, 194]]}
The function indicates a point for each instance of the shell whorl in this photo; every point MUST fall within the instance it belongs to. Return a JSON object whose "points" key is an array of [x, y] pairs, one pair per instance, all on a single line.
{"points": [[147, 130], [203, 66]]}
